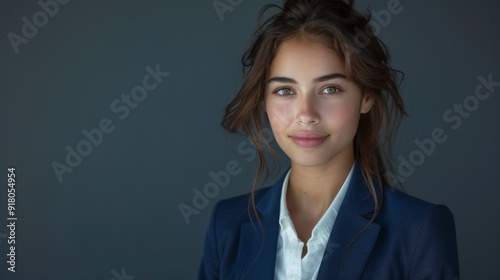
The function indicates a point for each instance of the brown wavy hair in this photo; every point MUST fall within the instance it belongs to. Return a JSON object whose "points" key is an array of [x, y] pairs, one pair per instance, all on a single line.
{"points": [[366, 59]]}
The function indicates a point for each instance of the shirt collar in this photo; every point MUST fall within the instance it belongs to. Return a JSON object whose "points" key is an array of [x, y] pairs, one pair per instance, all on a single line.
{"points": [[325, 224]]}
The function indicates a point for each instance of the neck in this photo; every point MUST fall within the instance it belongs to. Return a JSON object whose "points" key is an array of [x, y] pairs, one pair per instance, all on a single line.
{"points": [[312, 189]]}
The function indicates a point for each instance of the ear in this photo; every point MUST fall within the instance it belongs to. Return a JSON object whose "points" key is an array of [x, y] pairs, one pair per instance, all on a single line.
{"points": [[367, 102], [263, 106]]}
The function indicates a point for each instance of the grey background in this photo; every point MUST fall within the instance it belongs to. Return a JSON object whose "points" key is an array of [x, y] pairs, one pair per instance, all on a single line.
{"points": [[119, 207]]}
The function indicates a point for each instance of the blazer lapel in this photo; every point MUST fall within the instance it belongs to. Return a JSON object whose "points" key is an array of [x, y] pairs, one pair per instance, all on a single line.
{"points": [[352, 218], [257, 256]]}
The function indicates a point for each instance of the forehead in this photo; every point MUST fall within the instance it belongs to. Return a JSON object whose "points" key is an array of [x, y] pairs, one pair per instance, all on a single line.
{"points": [[305, 59]]}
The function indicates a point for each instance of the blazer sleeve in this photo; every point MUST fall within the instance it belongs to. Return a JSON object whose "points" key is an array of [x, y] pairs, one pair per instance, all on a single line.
{"points": [[209, 268], [436, 255]]}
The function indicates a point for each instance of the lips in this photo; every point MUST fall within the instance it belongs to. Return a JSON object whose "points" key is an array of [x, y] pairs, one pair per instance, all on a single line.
{"points": [[308, 139]]}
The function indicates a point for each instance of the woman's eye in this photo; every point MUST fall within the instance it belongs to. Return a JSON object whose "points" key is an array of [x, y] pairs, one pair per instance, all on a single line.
{"points": [[331, 90], [284, 91]]}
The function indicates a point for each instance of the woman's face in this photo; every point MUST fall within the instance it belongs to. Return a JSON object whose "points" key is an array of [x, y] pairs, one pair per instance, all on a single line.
{"points": [[312, 107]]}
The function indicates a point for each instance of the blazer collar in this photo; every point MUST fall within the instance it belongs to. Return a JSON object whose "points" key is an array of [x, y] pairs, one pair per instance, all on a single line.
{"points": [[343, 258], [257, 257]]}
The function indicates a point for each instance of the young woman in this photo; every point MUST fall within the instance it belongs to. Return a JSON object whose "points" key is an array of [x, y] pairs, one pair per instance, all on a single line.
{"points": [[320, 78]]}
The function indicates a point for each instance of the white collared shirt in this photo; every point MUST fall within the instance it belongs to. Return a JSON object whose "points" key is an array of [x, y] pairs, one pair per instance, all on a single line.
{"points": [[289, 262]]}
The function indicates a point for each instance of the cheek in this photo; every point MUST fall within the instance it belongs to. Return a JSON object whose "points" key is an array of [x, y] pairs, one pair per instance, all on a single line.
{"points": [[280, 115], [342, 116]]}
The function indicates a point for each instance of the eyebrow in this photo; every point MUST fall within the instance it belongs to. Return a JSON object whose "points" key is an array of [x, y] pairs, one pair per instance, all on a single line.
{"points": [[316, 80]]}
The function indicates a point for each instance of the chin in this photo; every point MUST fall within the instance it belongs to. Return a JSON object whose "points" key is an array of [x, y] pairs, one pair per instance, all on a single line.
{"points": [[315, 158], [310, 160]]}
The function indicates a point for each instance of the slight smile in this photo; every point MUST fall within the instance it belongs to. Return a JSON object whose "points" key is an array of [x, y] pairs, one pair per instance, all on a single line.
{"points": [[308, 139]]}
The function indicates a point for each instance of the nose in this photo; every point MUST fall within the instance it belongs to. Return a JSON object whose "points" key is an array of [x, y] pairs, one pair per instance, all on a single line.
{"points": [[307, 111]]}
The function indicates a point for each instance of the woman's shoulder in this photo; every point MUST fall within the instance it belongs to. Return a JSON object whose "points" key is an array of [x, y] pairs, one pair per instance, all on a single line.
{"points": [[399, 199], [423, 228], [407, 209], [237, 208]]}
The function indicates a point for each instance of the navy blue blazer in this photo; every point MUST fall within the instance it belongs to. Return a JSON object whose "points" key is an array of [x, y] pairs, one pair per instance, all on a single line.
{"points": [[409, 239]]}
